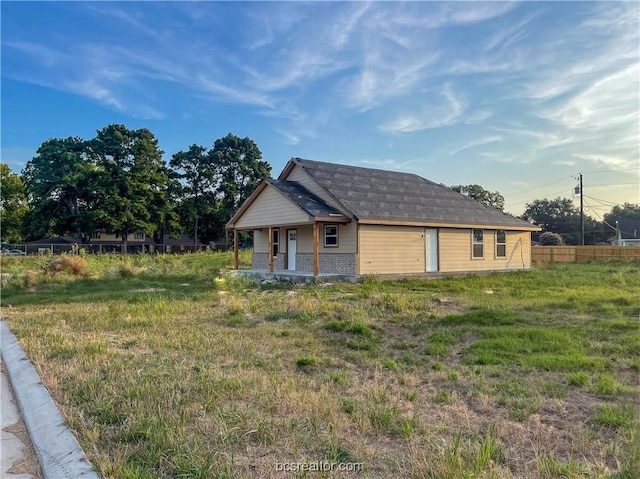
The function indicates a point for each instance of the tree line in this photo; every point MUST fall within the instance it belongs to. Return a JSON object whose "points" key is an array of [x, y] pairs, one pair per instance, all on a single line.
{"points": [[559, 218], [118, 182]]}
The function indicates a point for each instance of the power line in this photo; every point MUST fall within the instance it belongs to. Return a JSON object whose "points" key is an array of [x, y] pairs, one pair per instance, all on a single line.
{"points": [[538, 187]]}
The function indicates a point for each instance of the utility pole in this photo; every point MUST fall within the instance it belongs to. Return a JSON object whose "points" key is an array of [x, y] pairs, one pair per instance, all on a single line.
{"points": [[581, 212]]}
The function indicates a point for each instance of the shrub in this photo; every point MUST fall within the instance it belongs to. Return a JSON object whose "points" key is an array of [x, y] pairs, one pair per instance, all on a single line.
{"points": [[550, 239], [74, 265]]}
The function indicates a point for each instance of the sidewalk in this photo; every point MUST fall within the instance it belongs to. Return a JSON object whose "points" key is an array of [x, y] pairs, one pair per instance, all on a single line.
{"points": [[56, 448], [17, 457]]}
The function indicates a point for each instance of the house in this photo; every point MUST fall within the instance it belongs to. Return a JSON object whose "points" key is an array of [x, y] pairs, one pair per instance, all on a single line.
{"points": [[330, 219], [628, 232]]}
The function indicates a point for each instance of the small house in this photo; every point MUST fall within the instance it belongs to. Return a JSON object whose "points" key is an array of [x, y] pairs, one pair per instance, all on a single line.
{"points": [[321, 219]]}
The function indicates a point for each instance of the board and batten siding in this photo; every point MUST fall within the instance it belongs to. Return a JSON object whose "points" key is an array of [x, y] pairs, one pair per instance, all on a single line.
{"points": [[270, 208], [298, 174], [391, 249], [455, 247]]}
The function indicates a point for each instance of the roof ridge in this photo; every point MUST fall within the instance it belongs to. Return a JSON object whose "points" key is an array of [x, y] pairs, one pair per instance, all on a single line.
{"points": [[304, 160]]}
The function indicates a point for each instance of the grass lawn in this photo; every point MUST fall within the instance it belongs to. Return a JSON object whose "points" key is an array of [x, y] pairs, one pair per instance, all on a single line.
{"points": [[163, 367]]}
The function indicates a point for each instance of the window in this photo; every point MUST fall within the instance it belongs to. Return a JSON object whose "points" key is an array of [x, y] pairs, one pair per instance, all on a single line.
{"points": [[478, 244], [139, 236], [331, 236], [501, 244], [275, 239], [95, 235]]}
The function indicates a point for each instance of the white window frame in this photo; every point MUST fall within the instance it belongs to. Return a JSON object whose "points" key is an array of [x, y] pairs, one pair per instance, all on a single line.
{"points": [[138, 235], [474, 243], [275, 241], [504, 244], [336, 236]]}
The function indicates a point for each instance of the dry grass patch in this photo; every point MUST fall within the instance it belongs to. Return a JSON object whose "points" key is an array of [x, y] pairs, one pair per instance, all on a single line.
{"points": [[226, 377]]}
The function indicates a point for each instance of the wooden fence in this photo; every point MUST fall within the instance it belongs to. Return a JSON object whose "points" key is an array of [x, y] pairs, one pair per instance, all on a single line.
{"points": [[581, 254]]}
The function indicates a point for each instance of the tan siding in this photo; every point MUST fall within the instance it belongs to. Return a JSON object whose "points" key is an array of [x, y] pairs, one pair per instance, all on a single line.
{"points": [[301, 176], [261, 241], [271, 208], [347, 239], [455, 251], [391, 249]]}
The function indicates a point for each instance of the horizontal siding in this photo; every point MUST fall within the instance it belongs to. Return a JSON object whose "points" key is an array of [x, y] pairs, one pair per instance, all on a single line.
{"points": [[347, 239], [455, 247], [271, 208], [391, 249], [302, 177], [261, 241]]}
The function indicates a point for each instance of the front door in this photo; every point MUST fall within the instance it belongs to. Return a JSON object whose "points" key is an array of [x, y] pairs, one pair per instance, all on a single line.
{"points": [[292, 236], [431, 249]]}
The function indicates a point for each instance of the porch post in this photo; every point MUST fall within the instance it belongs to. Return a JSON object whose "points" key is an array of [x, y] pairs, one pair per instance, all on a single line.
{"points": [[316, 255], [235, 248], [270, 249]]}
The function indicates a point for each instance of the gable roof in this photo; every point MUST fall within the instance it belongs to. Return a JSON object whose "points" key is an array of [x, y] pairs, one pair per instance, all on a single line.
{"points": [[388, 196], [297, 194], [303, 198]]}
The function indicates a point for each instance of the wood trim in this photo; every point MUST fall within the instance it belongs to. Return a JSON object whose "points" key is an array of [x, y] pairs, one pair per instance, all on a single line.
{"points": [[432, 224], [235, 248], [270, 254], [316, 249]]}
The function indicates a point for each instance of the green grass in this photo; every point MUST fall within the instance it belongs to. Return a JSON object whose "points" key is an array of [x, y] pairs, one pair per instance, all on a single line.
{"points": [[167, 366]]}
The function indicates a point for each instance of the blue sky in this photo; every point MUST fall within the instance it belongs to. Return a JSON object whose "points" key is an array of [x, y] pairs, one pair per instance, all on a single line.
{"points": [[516, 97]]}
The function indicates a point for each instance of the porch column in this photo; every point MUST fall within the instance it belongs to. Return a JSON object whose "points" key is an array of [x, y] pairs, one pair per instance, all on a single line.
{"points": [[235, 248], [316, 254], [270, 249]]}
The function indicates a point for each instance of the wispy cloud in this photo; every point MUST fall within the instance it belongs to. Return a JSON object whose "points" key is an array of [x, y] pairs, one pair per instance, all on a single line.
{"points": [[476, 143], [445, 112]]}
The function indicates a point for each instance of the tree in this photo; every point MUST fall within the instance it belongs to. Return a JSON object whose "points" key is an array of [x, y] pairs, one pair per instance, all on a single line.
{"points": [[59, 182], [13, 205], [627, 210], [478, 193], [195, 190], [557, 216], [240, 168], [550, 239], [132, 181]]}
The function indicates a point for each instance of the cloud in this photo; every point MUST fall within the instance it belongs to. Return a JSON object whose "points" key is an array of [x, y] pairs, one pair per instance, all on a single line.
{"points": [[476, 143], [612, 162], [446, 112]]}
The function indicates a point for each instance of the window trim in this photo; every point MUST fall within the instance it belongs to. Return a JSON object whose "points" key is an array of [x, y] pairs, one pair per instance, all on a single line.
{"points": [[337, 235], [503, 256], [275, 242], [474, 243]]}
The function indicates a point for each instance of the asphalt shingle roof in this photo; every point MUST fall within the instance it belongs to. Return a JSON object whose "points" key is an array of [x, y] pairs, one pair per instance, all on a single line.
{"points": [[389, 195], [306, 200]]}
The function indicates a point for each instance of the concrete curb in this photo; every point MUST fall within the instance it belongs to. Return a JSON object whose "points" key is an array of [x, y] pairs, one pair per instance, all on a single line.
{"points": [[57, 449]]}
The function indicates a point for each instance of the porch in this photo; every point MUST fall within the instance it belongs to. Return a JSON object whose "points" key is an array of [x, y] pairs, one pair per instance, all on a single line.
{"points": [[293, 276]]}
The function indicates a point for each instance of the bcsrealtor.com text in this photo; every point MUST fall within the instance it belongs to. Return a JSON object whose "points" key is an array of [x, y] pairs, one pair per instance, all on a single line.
{"points": [[319, 466]]}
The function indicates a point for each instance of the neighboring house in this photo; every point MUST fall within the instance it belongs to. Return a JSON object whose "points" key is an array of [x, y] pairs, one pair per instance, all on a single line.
{"points": [[628, 233], [324, 218], [52, 245], [103, 242]]}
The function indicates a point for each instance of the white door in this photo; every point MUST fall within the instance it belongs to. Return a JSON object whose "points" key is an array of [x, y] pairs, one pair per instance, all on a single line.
{"points": [[291, 249], [431, 249]]}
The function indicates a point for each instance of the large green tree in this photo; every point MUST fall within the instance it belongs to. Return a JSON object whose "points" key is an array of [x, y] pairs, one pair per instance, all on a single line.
{"points": [[478, 193], [133, 181], [60, 185], [13, 205], [560, 216], [241, 169], [195, 191]]}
